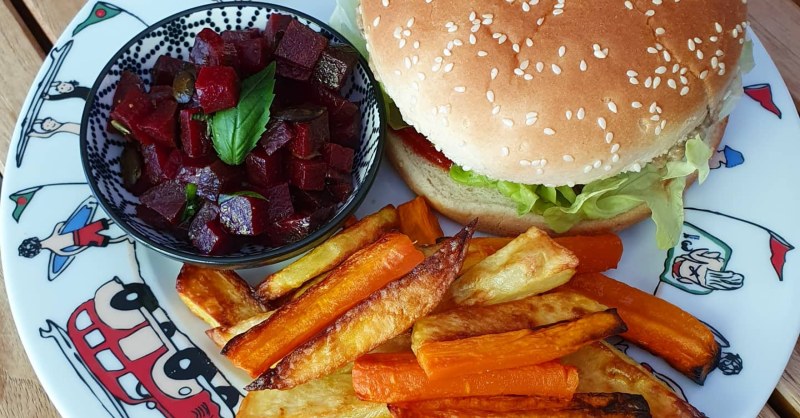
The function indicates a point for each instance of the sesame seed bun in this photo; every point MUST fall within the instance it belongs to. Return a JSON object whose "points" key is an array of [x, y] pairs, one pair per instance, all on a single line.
{"points": [[497, 214], [555, 93]]}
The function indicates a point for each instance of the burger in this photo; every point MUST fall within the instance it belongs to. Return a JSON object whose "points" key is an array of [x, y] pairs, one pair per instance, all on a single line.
{"points": [[572, 116]]}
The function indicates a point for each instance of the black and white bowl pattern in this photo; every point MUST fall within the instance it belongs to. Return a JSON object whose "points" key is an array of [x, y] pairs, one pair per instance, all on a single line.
{"points": [[174, 36]]}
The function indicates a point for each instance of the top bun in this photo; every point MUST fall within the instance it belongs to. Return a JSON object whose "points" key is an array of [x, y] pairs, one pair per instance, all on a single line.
{"points": [[555, 92]]}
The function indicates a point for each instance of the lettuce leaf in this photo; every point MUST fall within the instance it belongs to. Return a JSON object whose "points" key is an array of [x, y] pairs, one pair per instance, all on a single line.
{"points": [[659, 187]]}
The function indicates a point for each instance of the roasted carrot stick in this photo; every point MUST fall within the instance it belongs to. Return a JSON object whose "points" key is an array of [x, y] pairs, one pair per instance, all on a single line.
{"points": [[419, 222], [363, 273], [655, 324], [526, 347], [398, 378], [596, 253]]}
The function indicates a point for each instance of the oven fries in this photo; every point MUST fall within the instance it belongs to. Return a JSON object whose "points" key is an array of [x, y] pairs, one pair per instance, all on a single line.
{"points": [[605, 369], [218, 297], [221, 335], [366, 271], [419, 222], [532, 312], [329, 254], [530, 264], [617, 405], [656, 325], [382, 316], [521, 348]]}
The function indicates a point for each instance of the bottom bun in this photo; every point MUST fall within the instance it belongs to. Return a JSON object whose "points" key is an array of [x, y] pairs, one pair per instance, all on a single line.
{"points": [[496, 213]]}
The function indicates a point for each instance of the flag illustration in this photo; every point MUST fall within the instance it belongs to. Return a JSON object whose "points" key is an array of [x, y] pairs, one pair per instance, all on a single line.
{"points": [[21, 200], [778, 247], [762, 93], [101, 12]]}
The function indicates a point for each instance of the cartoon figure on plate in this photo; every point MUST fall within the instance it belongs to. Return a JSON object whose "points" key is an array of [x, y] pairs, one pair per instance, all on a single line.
{"points": [[62, 90], [71, 237], [726, 157], [698, 264], [47, 127]]}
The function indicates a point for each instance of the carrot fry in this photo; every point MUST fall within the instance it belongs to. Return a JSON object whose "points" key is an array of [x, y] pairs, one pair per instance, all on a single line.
{"points": [[526, 347], [607, 405], [531, 312], [605, 369], [419, 222], [328, 254], [296, 322], [378, 318], [596, 253], [398, 378], [218, 297], [656, 325]]}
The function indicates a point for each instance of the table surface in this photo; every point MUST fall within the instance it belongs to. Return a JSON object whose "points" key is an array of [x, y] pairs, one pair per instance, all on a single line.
{"points": [[28, 28]]}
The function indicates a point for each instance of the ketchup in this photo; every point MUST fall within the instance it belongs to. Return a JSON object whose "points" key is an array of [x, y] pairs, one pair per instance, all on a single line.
{"points": [[423, 147]]}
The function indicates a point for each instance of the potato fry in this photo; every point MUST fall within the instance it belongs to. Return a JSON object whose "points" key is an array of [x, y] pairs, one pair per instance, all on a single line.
{"points": [[331, 396], [366, 271], [656, 325], [218, 297], [398, 344], [605, 369], [622, 405], [329, 254], [397, 377], [419, 222], [384, 315], [482, 247], [530, 264], [531, 312], [525, 347], [221, 335]]}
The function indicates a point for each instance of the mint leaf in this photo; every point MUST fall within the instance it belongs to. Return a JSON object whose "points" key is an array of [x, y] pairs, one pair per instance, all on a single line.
{"points": [[236, 131], [192, 202], [250, 194]]}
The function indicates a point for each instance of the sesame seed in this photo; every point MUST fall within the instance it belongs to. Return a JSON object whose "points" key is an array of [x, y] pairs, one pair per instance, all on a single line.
{"points": [[460, 89], [713, 38], [667, 56], [556, 69], [636, 167], [549, 131], [698, 40], [601, 122], [540, 21], [587, 169], [656, 82], [636, 105], [407, 62], [714, 62], [655, 118], [472, 39], [653, 107], [515, 47], [528, 77], [385, 3], [531, 121], [508, 122], [615, 158], [410, 23], [562, 50], [601, 53], [448, 67], [447, 52], [609, 137], [505, 151], [632, 73], [703, 74], [519, 72], [672, 84], [663, 123], [650, 13], [568, 158], [568, 114], [685, 90], [648, 82], [597, 164], [658, 130], [524, 163], [421, 76], [524, 64], [699, 54], [652, 50], [457, 42], [453, 28], [490, 96], [530, 115], [612, 107], [402, 43], [583, 65], [526, 7], [581, 114], [675, 68], [376, 22], [684, 80], [628, 5], [406, 32], [502, 39], [416, 44], [557, 12], [476, 27], [719, 53], [718, 27], [691, 44], [684, 70], [494, 73], [436, 67], [660, 31], [482, 53], [607, 167], [496, 109], [539, 171], [661, 70], [472, 16]]}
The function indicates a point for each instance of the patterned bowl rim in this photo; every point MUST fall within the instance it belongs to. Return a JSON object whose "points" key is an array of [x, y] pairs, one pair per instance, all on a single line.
{"points": [[269, 256]]}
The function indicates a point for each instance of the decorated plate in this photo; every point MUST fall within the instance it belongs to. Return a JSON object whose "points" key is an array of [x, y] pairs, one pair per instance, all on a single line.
{"points": [[71, 272]]}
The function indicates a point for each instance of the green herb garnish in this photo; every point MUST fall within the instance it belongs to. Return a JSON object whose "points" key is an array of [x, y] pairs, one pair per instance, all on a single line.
{"points": [[236, 131], [192, 202]]}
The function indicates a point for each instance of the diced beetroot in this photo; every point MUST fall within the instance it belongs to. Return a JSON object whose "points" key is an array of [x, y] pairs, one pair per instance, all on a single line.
{"points": [[264, 169], [161, 124], [341, 190], [346, 126], [339, 158], [278, 134], [297, 226], [217, 88], [335, 66], [235, 36], [211, 238], [211, 180], [131, 112], [208, 212], [276, 27], [158, 94], [160, 163], [127, 80], [166, 68], [194, 134], [209, 49], [293, 93], [168, 199], [307, 174], [299, 50], [253, 55], [244, 215], [309, 201], [310, 136], [280, 202]]}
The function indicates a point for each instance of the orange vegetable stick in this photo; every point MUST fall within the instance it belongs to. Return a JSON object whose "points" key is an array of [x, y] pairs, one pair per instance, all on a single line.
{"points": [[419, 222], [447, 359], [596, 253], [655, 324], [397, 377], [366, 271]]}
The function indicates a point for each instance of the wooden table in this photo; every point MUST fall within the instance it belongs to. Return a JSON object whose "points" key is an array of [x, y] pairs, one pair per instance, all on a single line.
{"points": [[28, 28]]}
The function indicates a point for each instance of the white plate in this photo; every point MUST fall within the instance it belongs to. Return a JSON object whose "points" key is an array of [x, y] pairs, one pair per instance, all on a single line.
{"points": [[742, 218]]}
